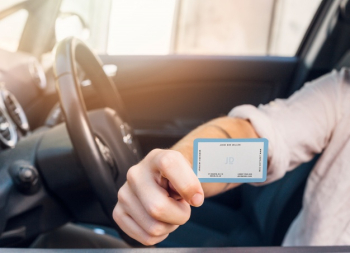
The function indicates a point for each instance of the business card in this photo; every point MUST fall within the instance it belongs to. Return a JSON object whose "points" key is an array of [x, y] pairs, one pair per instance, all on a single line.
{"points": [[230, 160]]}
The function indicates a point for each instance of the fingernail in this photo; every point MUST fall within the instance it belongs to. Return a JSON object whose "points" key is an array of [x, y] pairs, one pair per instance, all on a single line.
{"points": [[197, 200]]}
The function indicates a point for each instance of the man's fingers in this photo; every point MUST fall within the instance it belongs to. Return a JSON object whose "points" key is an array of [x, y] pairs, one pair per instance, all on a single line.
{"points": [[133, 207], [155, 199], [173, 193], [131, 228], [173, 166]]}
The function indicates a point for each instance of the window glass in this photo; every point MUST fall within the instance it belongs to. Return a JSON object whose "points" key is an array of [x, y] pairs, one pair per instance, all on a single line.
{"points": [[204, 27], [292, 18], [94, 13], [8, 3], [141, 27], [11, 29], [243, 27]]}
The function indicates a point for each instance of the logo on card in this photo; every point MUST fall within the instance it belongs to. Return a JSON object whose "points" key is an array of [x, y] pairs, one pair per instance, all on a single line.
{"points": [[229, 160]]}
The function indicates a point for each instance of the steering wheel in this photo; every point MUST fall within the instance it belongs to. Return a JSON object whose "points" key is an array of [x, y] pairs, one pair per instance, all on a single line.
{"points": [[103, 141]]}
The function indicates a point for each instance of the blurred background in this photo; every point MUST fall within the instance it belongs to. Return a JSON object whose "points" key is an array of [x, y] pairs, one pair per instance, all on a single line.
{"points": [[161, 27]]}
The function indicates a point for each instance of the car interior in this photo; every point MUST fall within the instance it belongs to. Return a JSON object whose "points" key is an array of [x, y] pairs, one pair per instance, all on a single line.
{"points": [[72, 125]]}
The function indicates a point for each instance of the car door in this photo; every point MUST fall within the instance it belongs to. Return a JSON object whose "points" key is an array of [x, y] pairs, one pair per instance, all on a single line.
{"points": [[168, 96], [210, 56]]}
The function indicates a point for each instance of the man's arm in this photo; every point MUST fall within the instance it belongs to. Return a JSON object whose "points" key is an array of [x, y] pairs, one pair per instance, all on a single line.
{"points": [[224, 127], [157, 195]]}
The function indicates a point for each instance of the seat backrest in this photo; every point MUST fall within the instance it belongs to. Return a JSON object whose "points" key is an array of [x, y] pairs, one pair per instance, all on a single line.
{"points": [[344, 62], [273, 207]]}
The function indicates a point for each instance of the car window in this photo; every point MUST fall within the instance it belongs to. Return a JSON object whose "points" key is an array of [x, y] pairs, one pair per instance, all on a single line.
{"points": [[202, 27], [11, 27], [8, 3]]}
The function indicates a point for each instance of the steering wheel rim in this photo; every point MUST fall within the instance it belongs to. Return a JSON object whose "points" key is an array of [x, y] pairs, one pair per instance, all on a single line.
{"points": [[67, 52]]}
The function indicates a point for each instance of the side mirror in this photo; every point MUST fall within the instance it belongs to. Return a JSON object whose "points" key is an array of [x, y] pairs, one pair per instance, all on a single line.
{"points": [[71, 24]]}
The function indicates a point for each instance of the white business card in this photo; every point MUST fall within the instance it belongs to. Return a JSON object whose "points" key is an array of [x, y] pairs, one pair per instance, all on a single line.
{"points": [[230, 160]]}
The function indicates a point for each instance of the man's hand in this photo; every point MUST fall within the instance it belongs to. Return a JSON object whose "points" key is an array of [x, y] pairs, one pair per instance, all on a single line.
{"points": [[157, 196], [159, 190]]}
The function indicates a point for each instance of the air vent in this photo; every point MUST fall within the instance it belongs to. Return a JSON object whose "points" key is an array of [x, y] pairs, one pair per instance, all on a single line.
{"points": [[15, 111], [8, 135]]}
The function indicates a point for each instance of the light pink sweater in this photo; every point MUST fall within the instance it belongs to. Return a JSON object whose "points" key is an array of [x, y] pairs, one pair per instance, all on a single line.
{"points": [[313, 120]]}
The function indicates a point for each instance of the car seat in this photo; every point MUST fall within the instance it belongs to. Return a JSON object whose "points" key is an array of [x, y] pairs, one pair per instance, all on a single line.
{"points": [[245, 216]]}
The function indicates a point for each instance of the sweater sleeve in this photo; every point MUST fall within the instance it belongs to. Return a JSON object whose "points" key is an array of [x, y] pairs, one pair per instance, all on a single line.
{"points": [[298, 127]]}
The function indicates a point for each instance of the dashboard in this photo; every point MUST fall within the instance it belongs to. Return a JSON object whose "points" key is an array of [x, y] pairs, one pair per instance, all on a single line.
{"points": [[22, 84]]}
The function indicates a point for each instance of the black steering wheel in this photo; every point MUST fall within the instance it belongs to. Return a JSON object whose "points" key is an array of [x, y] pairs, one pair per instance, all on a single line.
{"points": [[102, 140]]}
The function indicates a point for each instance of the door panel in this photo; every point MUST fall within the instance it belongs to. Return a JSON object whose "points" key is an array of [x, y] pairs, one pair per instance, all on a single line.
{"points": [[167, 96]]}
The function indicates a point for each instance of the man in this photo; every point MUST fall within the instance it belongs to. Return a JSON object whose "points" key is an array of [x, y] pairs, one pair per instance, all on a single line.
{"points": [[159, 190]]}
